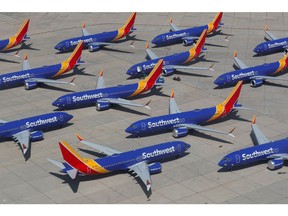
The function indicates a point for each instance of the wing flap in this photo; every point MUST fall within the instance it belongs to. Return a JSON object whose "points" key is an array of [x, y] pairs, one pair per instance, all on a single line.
{"points": [[23, 140], [42, 80], [141, 169], [239, 62], [150, 53], [173, 107], [259, 135], [100, 81], [268, 77], [173, 26]]}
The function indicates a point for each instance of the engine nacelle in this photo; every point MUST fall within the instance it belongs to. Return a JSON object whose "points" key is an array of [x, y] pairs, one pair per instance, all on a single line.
{"points": [[275, 164], [256, 82], [139, 69], [180, 132], [167, 71], [187, 42], [93, 48], [36, 136], [102, 106], [30, 85], [155, 168]]}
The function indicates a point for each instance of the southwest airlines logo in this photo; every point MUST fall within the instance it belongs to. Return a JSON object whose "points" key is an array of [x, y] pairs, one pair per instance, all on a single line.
{"points": [[157, 152], [88, 40], [242, 75], [256, 154], [163, 122], [41, 122], [170, 37], [87, 97], [276, 44], [16, 77]]}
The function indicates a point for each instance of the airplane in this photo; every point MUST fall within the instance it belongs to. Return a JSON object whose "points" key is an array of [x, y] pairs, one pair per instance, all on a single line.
{"points": [[186, 36], [181, 122], [30, 129], [18, 38], [95, 41], [275, 152], [143, 161], [32, 76], [104, 97], [273, 45], [256, 74], [171, 62]]}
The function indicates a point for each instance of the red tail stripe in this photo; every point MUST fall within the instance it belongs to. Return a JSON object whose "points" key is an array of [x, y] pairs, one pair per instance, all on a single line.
{"points": [[75, 56], [130, 23], [217, 21], [200, 43], [22, 31], [154, 74]]}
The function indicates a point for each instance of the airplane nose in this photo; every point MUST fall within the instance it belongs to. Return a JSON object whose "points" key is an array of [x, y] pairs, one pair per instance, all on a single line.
{"points": [[69, 117], [129, 130], [222, 163], [187, 146], [154, 41], [216, 82], [55, 104]]}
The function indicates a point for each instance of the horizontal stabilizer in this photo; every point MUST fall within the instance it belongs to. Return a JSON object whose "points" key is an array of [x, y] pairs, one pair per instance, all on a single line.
{"points": [[57, 163], [72, 173]]}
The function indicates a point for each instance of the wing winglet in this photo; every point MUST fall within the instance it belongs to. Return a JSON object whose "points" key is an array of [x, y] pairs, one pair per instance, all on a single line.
{"points": [[147, 45], [101, 73], [235, 54], [254, 120], [172, 94], [79, 137], [231, 132], [146, 105]]}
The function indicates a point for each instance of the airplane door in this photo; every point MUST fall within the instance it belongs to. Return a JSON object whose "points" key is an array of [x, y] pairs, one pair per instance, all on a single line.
{"points": [[237, 158], [67, 43], [179, 148], [68, 100], [163, 38], [143, 125], [228, 78]]}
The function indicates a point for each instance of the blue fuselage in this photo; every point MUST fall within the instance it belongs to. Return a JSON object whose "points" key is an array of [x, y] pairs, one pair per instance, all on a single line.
{"points": [[174, 37], [233, 77], [34, 123], [271, 46], [168, 122], [253, 154], [4, 43], [144, 68], [70, 44], [14, 78], [90, 97]]}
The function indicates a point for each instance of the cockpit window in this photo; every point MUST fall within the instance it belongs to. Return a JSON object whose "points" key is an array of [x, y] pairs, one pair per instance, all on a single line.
{"points": [[60, 100], [227, 159], [133, 126]]}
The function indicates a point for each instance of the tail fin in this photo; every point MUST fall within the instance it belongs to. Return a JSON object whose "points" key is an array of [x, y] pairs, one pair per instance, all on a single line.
{"points": [[200, 43], [284, 61], [232, 98], [151, 79], [129, 24], [71, 156], [74, 58], [22, 32], [212, 26]]}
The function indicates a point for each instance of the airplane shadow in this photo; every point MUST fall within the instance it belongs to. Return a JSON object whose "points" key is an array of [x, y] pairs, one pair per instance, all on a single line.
{"points": [[115, 50], [129, 110], [9, 61], [154, 91], [52, 87], [190, 74], [275, 84], [240, 167]]}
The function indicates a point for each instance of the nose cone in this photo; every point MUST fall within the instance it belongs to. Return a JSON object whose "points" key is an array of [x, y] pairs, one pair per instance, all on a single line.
{"points": [[129, 130], [221, 163], [69, 117], [187, 146], [154, 41], [257, 49], [56, 104], [57, 47], [217, 82]]}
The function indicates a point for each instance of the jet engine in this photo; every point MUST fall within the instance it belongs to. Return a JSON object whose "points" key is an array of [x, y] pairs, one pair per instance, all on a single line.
{"points": [[93, 47], [103, 105], [30, 85], [256, 82], [180, 132], [275, 164], [187, 42], [36, 136], [155, 168], [139, 69], [167, 71]]}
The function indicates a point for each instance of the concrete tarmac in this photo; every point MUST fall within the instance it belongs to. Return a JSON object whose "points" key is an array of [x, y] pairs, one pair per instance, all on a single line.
{"points": [[192, 179]]}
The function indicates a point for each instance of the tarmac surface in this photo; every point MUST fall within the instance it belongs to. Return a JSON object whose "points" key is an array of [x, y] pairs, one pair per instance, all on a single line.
{"points": [[194, 178]]}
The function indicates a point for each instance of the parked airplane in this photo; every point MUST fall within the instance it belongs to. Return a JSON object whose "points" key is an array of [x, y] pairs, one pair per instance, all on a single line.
{"points": [[274, 44], [186, 36], [31, 77], [18, 38], [171, 63], [256, 74], [143, 162], [104, 97], [95, 41], [275, 152], [182, 122], [25, 130]]}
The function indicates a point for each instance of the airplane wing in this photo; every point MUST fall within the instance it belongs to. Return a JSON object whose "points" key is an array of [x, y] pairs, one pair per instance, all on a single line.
{"points": [[2, 121], [101, 149], [259, 135], [173, 26], [84, 30], [100, 81], [181, 67], [268, 77], [238, 62], [42, 80], [283, 156], [23, 140], [269, 35], [198, 127], [190, 38], [150, 53], [121, 101], [173, 107], [142, 170], [25, 63]]}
